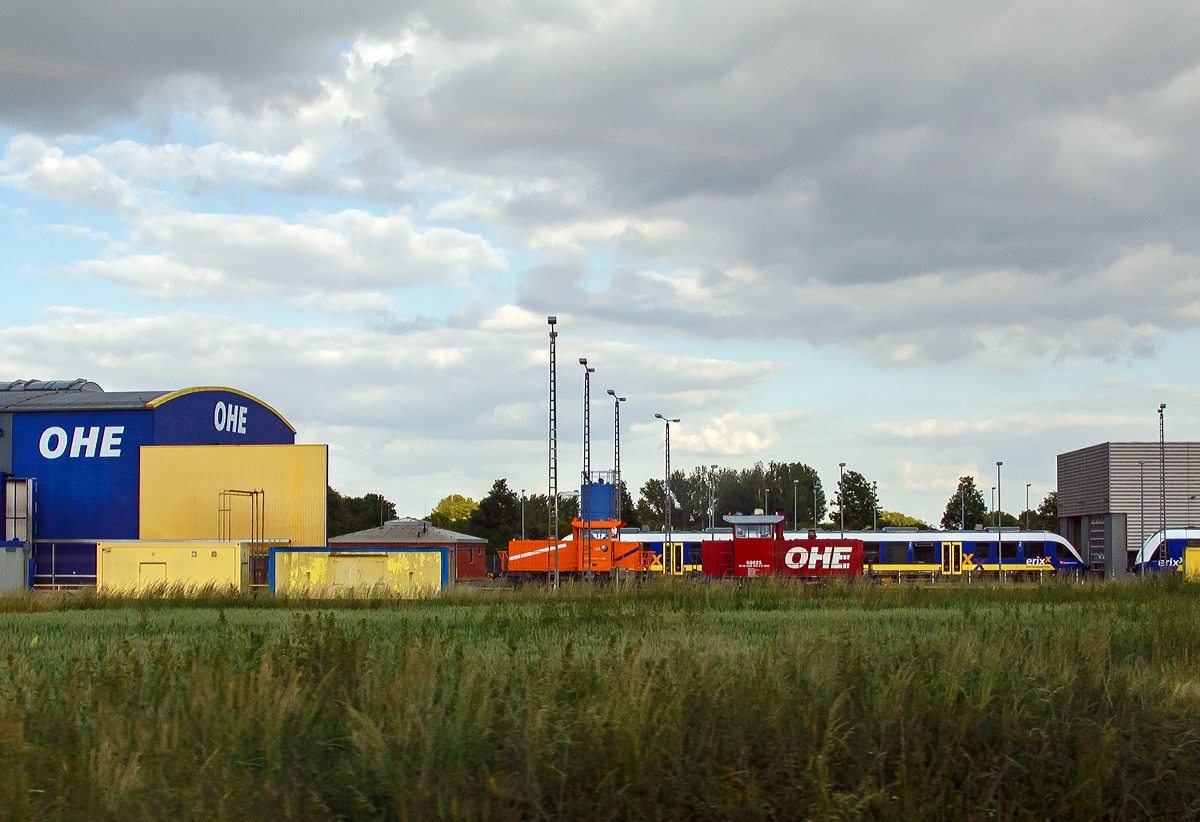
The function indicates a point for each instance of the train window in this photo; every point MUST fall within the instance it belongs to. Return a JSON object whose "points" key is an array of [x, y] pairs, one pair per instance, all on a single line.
{"points": [[872, 554], [1008, 550], [923, 553], [1035, 550], [1193, 543], [983, 550], [752, 531]]}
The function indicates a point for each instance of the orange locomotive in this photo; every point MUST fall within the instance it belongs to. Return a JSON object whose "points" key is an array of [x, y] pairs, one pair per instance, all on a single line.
{"points": [[592, 546]]}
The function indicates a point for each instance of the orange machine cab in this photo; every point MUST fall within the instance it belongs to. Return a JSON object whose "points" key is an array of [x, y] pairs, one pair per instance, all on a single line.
{"points": [[591, 546]]}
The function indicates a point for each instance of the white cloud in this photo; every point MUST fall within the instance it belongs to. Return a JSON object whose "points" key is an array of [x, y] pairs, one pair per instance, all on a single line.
{"points": [[733, 434], [233, 257], [452, 406], [1026, 423], [31, 165]]}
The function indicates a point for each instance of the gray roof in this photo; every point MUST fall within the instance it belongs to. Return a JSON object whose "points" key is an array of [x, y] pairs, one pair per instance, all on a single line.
{"points": [[755, 519], [405, 531], [72, 395]]}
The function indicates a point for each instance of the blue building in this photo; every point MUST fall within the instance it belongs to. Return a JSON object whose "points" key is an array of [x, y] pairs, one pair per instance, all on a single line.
{"points": [[70, 461]]}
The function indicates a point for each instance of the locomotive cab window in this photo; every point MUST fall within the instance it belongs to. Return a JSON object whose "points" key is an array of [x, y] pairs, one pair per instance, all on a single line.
{"points": [[923, 553], [752, 531]]}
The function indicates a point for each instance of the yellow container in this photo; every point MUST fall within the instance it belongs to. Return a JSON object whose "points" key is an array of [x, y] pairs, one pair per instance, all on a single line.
{"points": [[234, 492], [135, 565], [359, 573], [1191, 563]]}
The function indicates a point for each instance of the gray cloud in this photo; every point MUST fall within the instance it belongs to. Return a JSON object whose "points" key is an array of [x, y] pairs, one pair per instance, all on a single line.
{"points": [[70, 63], [922, 181]]}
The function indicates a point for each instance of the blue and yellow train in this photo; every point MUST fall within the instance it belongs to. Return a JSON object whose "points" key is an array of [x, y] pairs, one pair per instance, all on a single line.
{"points": [[1164, 551], [893, 554]]}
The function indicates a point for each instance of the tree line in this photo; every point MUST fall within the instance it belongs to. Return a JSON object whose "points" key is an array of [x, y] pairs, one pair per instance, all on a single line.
{"points": [[700, 498]]}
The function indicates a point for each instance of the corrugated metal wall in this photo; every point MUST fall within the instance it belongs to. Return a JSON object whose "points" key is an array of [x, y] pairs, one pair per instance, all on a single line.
{"points": [[1083, 481], [181, 484], [1183, 481], [1107, 478]]}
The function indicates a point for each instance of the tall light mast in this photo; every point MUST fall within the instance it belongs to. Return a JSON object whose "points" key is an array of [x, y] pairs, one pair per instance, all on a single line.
{"points": [[552, 525], [616, 452], [585, 493], [668, 563]]}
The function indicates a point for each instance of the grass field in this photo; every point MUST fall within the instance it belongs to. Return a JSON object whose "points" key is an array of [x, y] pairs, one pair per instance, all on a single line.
{"points": [[670, 701]]}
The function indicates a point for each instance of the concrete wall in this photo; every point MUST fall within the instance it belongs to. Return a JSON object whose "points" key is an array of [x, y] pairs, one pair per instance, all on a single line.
{"points": [[409, 572], [134, 565]]}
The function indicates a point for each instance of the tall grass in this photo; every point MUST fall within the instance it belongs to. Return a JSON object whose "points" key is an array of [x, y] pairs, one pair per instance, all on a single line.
{"points": [[761, 700]]}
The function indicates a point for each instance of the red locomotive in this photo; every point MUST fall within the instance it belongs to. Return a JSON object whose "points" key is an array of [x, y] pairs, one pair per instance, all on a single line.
{"points": [[759, 549]]}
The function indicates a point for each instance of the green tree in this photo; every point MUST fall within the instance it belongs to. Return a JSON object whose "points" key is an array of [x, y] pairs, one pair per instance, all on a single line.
{"points": [[650, 510], [895, 519], [857, 498], [345, 515], [453, 513], [629, 512], [537, 515], [789, 487], [965, 509], [498, 517], [1044, 517]]}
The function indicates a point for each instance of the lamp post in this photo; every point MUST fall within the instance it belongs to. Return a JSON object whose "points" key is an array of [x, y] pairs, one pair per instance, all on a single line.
{"points": [[616, 452], [993, 512], [842, 496], [552, 497], [712, 496], [795, 505], [814, 506], [1162, 473], [1027, 505], [585, 498], [522, 513], [999, 526], [669, 566], [875, 505]]}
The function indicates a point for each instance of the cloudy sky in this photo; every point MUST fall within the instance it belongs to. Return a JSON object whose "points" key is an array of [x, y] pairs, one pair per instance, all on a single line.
{"points": [[915, 237]]}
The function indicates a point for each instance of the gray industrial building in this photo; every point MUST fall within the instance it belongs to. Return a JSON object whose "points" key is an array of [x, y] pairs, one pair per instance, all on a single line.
{"points": [[1111, 495]]}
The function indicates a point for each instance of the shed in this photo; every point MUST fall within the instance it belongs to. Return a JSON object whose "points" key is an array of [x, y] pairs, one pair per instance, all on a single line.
{"points": [[468, 552]]}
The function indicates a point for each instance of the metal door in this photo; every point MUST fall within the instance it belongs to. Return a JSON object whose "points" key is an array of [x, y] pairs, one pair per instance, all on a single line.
{"points": [[674, 552], [152, 574], [952, 558]]}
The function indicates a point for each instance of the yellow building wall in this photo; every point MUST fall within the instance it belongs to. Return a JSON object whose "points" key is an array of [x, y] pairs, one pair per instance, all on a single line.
{"points": [[134, 565], [180, 486], [324, 573]]}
